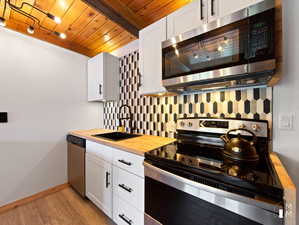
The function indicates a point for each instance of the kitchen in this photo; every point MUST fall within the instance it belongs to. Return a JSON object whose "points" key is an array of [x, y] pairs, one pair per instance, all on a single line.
{"points": [[166, 86]]}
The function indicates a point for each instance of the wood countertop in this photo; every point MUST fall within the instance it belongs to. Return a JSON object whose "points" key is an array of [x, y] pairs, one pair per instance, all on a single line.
{"points": [[136, 145], [289, 190]]}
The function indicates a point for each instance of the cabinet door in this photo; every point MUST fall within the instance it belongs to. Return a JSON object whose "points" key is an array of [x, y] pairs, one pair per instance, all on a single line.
{"points": [[95, 78], [98, 183], [150, 63], [101, 85], [221, 8], [187, 18]]}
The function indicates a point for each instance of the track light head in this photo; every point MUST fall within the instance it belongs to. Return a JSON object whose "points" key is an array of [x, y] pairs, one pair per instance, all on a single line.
{"points": [[2, 22], [106, 37], [55, 18], [30, 30], [61, 35]]}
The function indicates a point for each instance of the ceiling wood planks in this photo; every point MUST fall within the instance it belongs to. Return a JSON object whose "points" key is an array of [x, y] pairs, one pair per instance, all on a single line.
{"points": [[91, 30]]}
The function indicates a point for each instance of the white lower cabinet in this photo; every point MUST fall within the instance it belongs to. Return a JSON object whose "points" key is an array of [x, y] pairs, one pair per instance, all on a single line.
{"points": [[125, 214], [128, 187], [99, 182], [115, 183]]}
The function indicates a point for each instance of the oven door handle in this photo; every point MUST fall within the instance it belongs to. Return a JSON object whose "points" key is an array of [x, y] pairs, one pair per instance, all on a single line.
{"points": [[253, 209]]}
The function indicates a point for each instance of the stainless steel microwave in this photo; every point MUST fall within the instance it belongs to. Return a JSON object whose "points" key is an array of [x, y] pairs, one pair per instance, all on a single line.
{"points": [[235, 51]]}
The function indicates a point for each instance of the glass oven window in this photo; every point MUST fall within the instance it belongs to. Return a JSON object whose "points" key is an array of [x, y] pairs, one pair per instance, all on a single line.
{"points": [[170, 206]]}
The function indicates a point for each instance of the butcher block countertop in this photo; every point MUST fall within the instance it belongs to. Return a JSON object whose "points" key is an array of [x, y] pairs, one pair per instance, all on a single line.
{"points": [[137, 145]]}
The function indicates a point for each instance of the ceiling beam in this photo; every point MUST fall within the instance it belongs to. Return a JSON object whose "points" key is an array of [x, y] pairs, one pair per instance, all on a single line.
{"points": [[113, 15], [127, 12]]}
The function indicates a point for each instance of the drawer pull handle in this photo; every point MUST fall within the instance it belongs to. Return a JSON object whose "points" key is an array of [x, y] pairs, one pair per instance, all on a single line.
{"points": [[125, 162], [107, 179], [201, 10], [128, 189], [124, 218], [213, 8]]}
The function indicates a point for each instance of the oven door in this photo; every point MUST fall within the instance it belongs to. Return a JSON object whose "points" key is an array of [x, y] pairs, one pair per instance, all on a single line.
{"points": [[222, 49], [174, 200]]}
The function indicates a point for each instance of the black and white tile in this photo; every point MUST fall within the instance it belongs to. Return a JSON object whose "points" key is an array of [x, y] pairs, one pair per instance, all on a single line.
{"points": [[154, 115]]}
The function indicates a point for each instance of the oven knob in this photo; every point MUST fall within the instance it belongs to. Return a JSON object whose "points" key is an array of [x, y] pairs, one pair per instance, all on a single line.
{"points": [[242, 126], [190, 124], [182, 124], [255, 127]]}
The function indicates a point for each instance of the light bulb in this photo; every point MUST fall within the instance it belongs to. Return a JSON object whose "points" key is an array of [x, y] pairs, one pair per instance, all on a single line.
{"points": [[2, 22], [220, 48], [57, 19], [106, 37], [62, 35], [30, 30]]}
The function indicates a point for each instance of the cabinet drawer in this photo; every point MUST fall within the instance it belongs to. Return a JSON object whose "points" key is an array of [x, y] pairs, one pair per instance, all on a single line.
{"points": [[124, 214], [129, 187], [129, 162], [102, 151]]}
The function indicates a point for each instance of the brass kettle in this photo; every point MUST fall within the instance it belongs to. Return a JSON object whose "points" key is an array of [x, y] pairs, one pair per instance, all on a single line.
{"points": [[239, 148]]}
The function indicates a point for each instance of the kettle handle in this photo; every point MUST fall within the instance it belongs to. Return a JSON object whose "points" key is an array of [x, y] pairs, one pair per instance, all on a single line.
{"points": [[225, 138], [254, 140]]}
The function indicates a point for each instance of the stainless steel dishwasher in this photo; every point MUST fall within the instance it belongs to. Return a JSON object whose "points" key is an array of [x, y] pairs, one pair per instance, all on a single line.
{"points": [[76, 163]]}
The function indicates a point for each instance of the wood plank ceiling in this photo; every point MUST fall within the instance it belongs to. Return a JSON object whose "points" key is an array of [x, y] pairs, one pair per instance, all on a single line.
{"points": [[88, 31]]}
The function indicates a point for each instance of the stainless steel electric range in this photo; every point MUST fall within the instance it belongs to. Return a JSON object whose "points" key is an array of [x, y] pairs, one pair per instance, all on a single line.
{"points": [[218, 173]]}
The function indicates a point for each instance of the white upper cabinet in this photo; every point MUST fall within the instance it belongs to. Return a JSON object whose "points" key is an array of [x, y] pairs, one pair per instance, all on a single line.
{"points": [[150, 62], [221, 8], [103, 78], [187, 18], [200, 12]]}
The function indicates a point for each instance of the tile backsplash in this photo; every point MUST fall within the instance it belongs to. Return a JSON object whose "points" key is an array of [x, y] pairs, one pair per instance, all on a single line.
{"points": [[156, 115]]}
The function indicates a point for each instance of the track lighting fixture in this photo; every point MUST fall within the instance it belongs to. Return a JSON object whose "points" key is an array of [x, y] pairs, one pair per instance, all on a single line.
{"points": [[2, 22], [35, 20], [30, 30]]}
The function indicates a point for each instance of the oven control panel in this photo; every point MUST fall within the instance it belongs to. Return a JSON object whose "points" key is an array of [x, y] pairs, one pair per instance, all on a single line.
{"points": [[222, 126]]}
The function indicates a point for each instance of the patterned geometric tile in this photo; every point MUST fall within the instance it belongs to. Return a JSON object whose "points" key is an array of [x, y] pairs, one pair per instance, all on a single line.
{"points": [[152, 114]]}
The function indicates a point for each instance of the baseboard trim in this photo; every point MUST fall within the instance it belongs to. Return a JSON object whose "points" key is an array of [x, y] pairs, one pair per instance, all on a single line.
{"points": [[31, 198]]}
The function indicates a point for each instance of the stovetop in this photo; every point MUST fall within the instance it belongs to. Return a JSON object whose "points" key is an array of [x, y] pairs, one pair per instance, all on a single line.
{"points": [[206, 164]]}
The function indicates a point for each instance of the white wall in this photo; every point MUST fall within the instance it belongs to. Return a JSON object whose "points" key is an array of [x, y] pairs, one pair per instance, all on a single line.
{"points": [[286, 94], [44, 90], [131, 47]]}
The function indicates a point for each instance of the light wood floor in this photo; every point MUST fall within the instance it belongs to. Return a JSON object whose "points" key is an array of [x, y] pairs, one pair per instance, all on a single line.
{"points": [[61, 208]]}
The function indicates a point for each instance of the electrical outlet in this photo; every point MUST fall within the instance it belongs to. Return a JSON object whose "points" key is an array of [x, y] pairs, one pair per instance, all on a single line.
{"points": [[286, 121], [3, 117]]}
